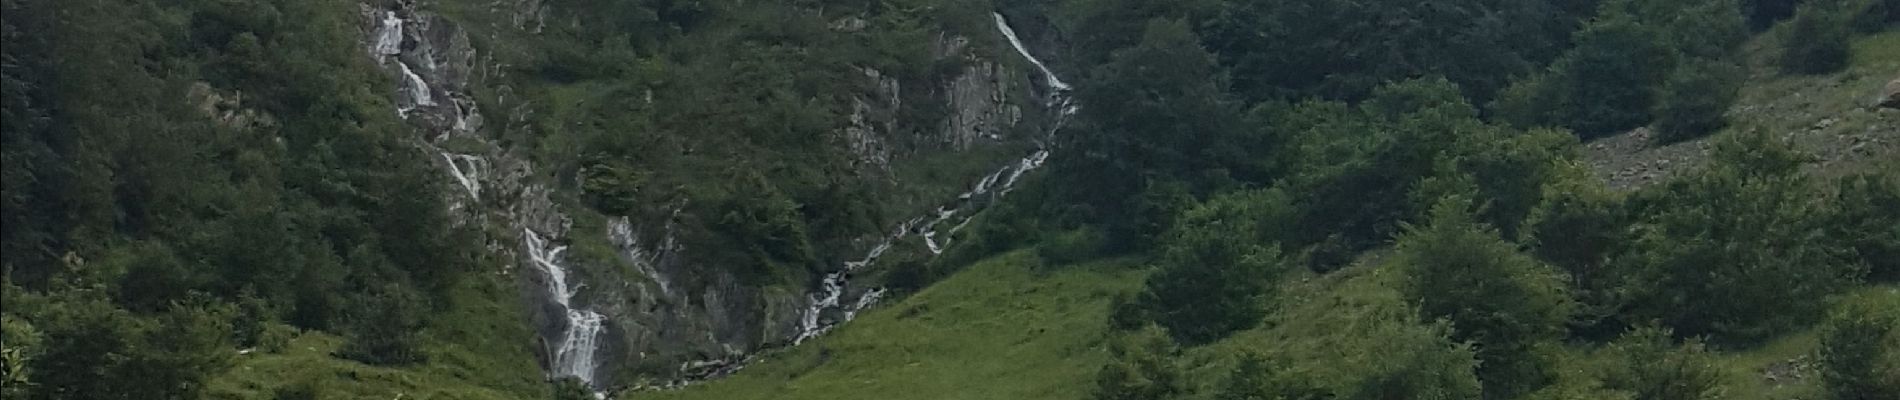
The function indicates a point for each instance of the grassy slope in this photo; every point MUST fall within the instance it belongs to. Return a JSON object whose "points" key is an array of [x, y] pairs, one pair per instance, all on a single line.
{"points": [[479, 350], [998, 330], [1789, 106]]}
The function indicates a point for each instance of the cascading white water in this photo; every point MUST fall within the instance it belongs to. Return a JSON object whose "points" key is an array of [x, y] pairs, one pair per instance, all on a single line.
{"points": [[831, 289], [621, 233], [389, 36], [418, 88], [579, 341], [470, 178], [1003, 25], [575, 354]]}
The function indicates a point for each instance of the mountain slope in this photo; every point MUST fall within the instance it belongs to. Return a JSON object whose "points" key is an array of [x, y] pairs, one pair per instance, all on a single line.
{"points": [[1005, 328]]}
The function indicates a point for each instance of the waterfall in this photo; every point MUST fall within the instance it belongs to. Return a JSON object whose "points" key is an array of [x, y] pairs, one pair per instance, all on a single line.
{"points": [[389, 36], [621, 233], [580, 337], [574, 356], [469, 178], [417, 88], [1003, 25], [831, 289]]}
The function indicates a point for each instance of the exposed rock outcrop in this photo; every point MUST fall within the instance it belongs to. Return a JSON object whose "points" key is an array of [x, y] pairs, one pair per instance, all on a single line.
{"points": [[663, 316], [1890, 96]]}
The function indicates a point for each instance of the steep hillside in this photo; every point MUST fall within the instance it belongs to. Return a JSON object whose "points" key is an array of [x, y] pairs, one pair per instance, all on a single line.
{"points": [[1004, 328], [1832, 115], [950, 199]]}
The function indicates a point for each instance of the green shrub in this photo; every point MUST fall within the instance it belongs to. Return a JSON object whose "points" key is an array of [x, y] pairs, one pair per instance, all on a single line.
{"points": [[1860, 348], [1073, 246], [276, 338], [1649, 365], [1577, 228], [1211, 282], [305, 389], [388, 332], [1816, 41], [1494, 296], [1739, 251], [1865, 217], [572, 389], [1610, 77], [1695, 98], [1141, 368], [1255, 379]]}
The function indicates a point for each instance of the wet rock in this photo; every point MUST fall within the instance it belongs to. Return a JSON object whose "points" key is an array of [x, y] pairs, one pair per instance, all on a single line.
{"points": [[1890, 96]]}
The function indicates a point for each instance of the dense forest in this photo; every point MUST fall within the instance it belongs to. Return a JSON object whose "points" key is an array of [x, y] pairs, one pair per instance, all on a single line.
{"points": [[191, 184]]}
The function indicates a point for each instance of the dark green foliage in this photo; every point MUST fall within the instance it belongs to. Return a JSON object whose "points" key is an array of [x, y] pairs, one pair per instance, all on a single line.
{"points": [[302, 390], [1385, 352], [1156, 120], [94, 351], [1865, 218], [1211, 283], [1647, 364], [20, 343], [572, 389], [1613, 78], [1860, 348], [140, 217], [1875, 15], [1738, 252], [768, 226], [1072, 247], [1607, 78], [1362, 171], [1096, 29], [1255, 379], [1218, 268], [1764, 13], [1141, 368], [1294, 49], [1816, 41], [1694, 100], [1577, 228], [388, 329], [1503, 301]]}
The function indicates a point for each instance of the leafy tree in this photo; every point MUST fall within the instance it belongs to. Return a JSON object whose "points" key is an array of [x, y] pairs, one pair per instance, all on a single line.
{"points": [[1141, 367], [1212, 280], [1860, 348], [1362, 172], [1096, 29], [388, 329], [1764, 13], [1157, 117], [1647, 364], [1404, 359], [1737, 252], [1816, 41], [1287, 50], [95, 351], [1579, 225], [179, 354], [1865, 218], [1607, 78], [1502, 300], [572, 389], [1254, 379], [21, 345], [308, 389], [1694, 100]]}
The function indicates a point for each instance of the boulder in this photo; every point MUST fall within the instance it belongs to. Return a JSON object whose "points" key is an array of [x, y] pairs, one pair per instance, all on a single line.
{"points": [[1890, 97]]}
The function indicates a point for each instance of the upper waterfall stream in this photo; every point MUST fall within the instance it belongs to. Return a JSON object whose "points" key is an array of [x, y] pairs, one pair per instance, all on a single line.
{"points": [[831, 291]]}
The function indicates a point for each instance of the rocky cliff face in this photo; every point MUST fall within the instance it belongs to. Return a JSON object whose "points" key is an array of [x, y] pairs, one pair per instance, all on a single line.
{"points": [[649, 313]]}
